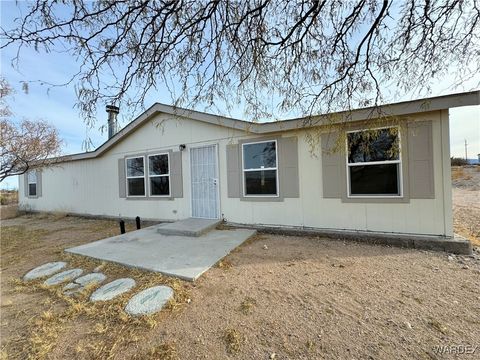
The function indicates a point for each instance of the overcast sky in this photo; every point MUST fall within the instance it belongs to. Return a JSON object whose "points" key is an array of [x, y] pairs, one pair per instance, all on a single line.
{"points": [[56, 105]]}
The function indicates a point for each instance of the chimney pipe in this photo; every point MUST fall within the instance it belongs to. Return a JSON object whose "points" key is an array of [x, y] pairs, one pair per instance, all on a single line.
{"points": [[112, 111]]}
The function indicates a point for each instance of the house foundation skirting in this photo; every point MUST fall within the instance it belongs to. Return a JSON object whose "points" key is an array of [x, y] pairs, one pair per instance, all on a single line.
{"points": [[456, 245]]}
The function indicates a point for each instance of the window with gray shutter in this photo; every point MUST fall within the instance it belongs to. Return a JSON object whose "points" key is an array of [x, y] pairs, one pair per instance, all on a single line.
{"points": [[276, 157], [161, 174], [33, 183]]}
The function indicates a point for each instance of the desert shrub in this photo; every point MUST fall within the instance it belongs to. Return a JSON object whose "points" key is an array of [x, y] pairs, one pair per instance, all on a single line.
{"points": [[458, 161]]}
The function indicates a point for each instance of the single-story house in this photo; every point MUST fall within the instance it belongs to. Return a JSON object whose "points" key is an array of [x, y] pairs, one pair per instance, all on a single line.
{"points": [[323, 172]]}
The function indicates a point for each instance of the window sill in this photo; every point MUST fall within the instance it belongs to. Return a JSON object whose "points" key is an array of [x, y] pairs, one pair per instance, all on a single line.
{"points": [[262, 198], [376, 199], [150, 198]]}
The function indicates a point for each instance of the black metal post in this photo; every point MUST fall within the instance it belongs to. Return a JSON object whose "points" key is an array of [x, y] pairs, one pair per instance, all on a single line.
{"points": [[137, 220], [122, 227]]}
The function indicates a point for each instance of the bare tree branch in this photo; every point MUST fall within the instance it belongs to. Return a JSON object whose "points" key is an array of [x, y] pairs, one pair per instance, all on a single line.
{"points": [[266, 56]]}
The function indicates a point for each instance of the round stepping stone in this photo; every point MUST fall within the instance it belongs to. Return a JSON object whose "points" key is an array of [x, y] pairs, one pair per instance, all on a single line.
{"points": [[149, 300], [44, 270], [63, 277], [112, 289], [85, 280]]}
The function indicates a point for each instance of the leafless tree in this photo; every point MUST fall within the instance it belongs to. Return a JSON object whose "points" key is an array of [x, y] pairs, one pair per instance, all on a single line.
{"points": [[311, 56], [26, 145]]}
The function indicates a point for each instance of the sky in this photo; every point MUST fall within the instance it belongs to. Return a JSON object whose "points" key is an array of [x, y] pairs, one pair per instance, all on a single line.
{"points": [[57, 105]]}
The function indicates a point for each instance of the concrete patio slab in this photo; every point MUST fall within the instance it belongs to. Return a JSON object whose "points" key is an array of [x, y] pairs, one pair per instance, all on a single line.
{"points": [[189, 227], [184, 257]]}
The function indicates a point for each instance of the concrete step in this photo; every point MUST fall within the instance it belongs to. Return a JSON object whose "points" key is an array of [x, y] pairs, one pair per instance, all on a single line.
{"points": [[189, 227]]}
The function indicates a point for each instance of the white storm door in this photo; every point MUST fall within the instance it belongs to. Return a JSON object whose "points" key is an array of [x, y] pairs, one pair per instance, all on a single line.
{"points": [[204, 179]]}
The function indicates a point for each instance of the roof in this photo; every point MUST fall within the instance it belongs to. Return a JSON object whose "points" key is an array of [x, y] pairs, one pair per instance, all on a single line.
{"points": [[394, 109]]}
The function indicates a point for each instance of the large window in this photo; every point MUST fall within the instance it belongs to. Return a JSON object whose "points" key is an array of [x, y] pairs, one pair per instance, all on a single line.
{"points": [[32, 183], [135, 176], [159, 174], [374, 166], [260, 172]]}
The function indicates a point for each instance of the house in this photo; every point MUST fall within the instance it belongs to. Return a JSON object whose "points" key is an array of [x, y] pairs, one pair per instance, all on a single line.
{"points": [[172, 163]]}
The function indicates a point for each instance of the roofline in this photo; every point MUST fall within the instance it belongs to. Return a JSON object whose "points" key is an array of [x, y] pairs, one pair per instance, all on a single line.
{"points": [[395, 109]]}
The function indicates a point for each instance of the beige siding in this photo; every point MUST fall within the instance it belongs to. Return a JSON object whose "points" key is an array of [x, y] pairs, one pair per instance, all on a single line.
{"points": [[91, 186]]}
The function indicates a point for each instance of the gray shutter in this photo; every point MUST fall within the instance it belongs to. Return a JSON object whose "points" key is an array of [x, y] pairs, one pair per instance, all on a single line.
{"points": [[420, 160], [331, 166], [39, 183], [122, 184], [176, 174], [288, 167], [233, 171], [25, 184]]}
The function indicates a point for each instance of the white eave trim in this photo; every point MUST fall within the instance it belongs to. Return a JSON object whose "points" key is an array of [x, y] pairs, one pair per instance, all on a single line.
{"points": [[395, 109]]}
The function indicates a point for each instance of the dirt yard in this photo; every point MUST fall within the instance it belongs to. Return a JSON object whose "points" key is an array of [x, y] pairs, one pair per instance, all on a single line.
{"points": [[275, 297], [466, 202]]}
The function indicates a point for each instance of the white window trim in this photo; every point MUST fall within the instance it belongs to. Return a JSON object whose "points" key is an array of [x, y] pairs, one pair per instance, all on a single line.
{"points": [[30, 183], [163, 175], [260, 169], [399, 162], [135, 177]]}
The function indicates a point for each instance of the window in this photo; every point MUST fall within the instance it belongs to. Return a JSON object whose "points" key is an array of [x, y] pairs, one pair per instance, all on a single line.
{"points": [[135, 176], [159, 174], [260, 172], [32, 183], [374, 166]]}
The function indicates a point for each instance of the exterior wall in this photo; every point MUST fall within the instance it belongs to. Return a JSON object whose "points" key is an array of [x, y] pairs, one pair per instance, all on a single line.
{"points": [[91, 186]]}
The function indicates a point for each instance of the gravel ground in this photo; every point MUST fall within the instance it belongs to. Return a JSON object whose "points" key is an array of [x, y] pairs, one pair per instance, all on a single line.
{"points": [[275, 297]]}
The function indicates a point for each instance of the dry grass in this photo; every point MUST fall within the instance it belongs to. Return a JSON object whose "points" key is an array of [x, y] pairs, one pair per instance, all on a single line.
{"points": [[233, 340], [435, 324], [470, 231], [8, 197], [458, 173], [224, 264], [165, 351], [9, 211], [15, 238], [103, 328], [113, 329], [247, 305]]}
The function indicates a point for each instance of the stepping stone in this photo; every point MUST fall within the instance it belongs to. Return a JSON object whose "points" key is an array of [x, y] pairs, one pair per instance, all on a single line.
{"points": [[84, 281], [112, 289], [63, 277], [149, 300], [44, 270]]}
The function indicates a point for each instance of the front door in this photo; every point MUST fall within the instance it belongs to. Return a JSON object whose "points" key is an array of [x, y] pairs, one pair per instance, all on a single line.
{"points": [[204, 178]]}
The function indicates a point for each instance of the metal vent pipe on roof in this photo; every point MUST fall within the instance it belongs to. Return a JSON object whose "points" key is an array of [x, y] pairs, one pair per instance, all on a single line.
{"points": [[112, 111]]}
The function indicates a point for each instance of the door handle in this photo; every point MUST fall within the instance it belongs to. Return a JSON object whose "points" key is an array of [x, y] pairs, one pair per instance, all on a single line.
{"points": [[215, 181]]}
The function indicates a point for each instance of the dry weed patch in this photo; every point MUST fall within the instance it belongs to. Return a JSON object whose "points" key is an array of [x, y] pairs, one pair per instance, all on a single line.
{"points": [[247, 305], [224, 264], [165, 351], [233, 340], [112, 328]]}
